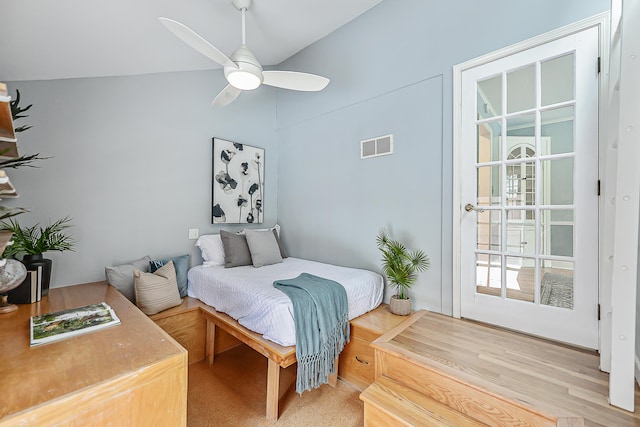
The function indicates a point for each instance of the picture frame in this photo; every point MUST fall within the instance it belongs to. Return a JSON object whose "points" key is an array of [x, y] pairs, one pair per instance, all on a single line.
{"points": [[237, 183]]}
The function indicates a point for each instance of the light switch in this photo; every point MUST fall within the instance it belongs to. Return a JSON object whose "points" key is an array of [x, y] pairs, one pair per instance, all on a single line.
{"points": [[193, 233]]}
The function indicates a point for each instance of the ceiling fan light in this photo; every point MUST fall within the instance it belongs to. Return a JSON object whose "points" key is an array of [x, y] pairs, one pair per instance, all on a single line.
{"points": [[244, 80]]}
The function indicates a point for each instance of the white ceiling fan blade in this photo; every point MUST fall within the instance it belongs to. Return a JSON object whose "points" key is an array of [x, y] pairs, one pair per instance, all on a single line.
{"points": [[191, 38], [226, 96], [295, 81]]}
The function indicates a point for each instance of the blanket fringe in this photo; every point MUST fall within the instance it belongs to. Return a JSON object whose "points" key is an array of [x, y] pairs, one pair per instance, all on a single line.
{"points": [[314, 369]]}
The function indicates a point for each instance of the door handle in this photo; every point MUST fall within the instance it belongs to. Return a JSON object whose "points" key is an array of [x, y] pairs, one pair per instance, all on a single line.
{"points": [[469, 207]]}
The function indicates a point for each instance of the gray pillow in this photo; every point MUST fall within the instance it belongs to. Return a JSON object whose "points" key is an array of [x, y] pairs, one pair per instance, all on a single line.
{"points": [[236, 250], [181, 264], [283, 254], [121, 276], [263, 247]]}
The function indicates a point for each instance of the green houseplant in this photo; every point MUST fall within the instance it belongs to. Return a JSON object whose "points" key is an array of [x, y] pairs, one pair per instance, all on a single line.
{"points": [[400, 266], [12, 272], [34, 241]]}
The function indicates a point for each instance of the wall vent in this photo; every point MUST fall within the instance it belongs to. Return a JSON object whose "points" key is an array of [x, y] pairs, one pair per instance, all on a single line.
{"points": [[374, 147]]}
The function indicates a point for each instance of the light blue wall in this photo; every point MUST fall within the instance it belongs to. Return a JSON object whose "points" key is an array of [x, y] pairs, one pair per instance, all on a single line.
{"points": [[391, 72], [131, 155], [334, 203], [131, 163]]}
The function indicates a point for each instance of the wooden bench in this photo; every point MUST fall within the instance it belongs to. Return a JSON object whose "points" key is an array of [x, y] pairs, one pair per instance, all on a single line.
{"points": [[186, 324]]}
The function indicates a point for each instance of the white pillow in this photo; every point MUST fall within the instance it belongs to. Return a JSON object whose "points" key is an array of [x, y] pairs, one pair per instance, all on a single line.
{"points": [[212, 249]]}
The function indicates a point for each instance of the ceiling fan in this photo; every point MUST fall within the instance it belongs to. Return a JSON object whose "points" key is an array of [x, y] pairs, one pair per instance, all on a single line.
{"points": [[242, 70]]}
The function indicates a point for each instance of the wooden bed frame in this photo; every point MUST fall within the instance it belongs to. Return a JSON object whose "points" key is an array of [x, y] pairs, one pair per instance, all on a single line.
{"points": [[277, 355]]}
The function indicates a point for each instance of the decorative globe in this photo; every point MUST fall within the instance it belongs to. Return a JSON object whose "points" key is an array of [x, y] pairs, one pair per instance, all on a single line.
{"points": [[12, 274]]}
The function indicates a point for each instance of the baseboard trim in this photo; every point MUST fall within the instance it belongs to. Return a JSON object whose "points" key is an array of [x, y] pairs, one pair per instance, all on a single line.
{"points": [[637, 369]]}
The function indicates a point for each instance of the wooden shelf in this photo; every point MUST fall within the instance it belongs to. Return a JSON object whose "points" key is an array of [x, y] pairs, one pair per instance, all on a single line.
{"points": [[8, 150], [7, 132], [7, 190], [5, 238], [8, 146]]}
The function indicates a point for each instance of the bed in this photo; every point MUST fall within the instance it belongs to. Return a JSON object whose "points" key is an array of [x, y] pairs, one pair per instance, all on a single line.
{"points": [[247, 293], [245, 304]]}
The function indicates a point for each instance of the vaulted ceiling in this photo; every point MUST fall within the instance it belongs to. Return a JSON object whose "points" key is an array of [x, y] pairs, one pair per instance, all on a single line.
{"points": [[45, 39]]}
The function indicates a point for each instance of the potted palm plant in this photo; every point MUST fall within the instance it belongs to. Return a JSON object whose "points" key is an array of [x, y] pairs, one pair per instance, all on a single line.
{"points": [[400, 266], [34, 241]]}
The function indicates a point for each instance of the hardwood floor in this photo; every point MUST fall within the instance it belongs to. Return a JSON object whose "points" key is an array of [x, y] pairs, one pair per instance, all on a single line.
{"points": [[508, 369], [524, 286], [515, 367]]}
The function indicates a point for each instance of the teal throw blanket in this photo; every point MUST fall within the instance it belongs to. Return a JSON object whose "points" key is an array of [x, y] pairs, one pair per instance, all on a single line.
{"points": [[321, 315]]}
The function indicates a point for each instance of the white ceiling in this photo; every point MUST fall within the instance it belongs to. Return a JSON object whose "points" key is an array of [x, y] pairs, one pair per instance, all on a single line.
{"points": [[58, 39]]}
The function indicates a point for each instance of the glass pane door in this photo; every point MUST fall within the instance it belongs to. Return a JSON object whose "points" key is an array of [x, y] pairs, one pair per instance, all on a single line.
{"points": [[534, 152]]}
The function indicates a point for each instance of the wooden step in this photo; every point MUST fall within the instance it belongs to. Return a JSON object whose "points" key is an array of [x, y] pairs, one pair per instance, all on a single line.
{"points": [[465, 367], [390, 403]]}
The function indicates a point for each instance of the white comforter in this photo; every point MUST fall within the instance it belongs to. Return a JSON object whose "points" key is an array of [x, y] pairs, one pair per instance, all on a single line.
{"points": [[247, 293]]}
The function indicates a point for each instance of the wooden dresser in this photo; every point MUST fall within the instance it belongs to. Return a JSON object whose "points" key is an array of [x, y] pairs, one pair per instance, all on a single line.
{"points": [[356, 365], [132, 374]]}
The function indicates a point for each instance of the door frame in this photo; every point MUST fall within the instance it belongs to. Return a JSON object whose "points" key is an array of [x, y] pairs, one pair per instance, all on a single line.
{"points": [[600, 21], [623, 249]]}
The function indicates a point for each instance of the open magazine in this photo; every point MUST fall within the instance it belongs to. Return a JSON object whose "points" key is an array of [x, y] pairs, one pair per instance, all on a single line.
{"points": [[68, 323]]}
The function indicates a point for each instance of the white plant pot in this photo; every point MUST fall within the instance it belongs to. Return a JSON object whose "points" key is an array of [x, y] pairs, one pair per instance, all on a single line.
{"points": [[401, 307]]}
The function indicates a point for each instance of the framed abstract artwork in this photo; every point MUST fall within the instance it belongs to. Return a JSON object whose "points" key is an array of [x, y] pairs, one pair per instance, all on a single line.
{"points": [[237, 183]]}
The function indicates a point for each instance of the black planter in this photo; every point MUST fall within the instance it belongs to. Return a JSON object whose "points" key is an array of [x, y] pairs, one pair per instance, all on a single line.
{"points": [[32, 262]]}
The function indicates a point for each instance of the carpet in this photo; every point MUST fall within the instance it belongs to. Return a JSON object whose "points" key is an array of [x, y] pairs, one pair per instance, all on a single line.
{"points": [[232, 392], [557, 290]]}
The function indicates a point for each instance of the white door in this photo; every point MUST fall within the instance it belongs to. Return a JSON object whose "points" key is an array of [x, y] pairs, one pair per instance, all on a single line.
{"points": [[529, 164]]}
